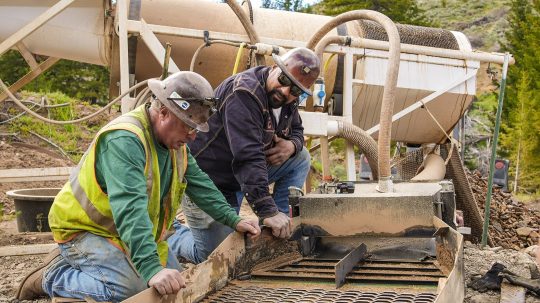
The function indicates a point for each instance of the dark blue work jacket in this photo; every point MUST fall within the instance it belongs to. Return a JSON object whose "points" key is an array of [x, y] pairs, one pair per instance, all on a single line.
{"points": [[232, 152]]}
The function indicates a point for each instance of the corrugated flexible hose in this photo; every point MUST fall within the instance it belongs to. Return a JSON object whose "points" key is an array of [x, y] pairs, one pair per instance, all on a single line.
{"points": [[387, 105], [366, 144]]}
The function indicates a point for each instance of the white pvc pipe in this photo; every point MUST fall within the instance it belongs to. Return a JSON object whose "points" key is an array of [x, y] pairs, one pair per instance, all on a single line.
{"points": [[333, 128], [432, 51]]}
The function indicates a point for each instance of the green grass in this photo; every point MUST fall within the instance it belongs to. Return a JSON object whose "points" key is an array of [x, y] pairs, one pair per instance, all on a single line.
{"points": [[525, 198], [67, 136]]}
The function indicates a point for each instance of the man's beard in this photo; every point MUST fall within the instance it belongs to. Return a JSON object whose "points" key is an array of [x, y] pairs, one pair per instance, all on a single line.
{"points": [[274, 97]]}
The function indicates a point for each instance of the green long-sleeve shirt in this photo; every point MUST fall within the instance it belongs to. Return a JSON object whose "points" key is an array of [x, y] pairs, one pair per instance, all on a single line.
{"points": [[120, 173]]}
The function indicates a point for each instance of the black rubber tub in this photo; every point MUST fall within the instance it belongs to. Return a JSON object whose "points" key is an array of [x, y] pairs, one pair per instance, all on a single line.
{"points": [[32, 207]]}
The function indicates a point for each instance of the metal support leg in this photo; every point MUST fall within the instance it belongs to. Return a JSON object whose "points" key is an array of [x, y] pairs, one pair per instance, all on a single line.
{"points": [[347, 114], [155, 47], [34, 73], [121, 27], [494, 150]]}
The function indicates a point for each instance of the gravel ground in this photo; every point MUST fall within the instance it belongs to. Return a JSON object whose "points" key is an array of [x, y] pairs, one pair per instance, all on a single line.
{"points": [[478, 261], [13, 270]]}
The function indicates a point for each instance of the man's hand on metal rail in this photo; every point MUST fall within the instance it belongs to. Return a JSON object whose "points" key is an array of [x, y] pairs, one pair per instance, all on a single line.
{"points": [[249, 226], [167, 281]]}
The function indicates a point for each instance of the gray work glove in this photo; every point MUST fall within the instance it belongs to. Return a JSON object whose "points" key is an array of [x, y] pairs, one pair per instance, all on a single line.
{"points": [[490, 280]]}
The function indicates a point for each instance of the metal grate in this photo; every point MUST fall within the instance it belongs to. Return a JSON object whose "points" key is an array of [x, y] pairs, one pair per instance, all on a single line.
{"points": [[410, 34], [407, 164], [374, 271], [254, 294]]}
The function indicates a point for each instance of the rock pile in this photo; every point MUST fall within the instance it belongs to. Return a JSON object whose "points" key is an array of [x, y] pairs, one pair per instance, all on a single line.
{"points": [[512, 224]]}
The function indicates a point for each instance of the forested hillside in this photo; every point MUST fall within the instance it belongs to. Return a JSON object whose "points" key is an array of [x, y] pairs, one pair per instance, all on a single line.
{"points": [[482, 21], [513, 26]]}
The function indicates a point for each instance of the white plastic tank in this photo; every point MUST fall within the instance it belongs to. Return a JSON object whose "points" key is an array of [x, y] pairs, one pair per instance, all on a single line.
{"points": [[78, 33]]}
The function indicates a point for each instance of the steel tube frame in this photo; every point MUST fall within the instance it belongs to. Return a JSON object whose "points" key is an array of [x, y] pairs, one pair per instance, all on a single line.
{"points": [[16, 40], [494, 150], [133, 26], [362, 44], [347, 113], [423, 101], [155, 47], [122, 31], [27, 55]]}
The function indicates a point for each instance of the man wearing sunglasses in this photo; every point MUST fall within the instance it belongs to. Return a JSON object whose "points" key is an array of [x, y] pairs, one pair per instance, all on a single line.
{"points": [[255, 139], [113, 218]]}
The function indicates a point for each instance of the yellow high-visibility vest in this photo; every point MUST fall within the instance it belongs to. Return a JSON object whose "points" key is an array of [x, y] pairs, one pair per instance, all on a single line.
{"points": [[82, 206]]}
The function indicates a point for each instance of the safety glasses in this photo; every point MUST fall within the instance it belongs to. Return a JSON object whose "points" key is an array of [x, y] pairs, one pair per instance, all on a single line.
{"points": [[191, 130], [286, 81]]}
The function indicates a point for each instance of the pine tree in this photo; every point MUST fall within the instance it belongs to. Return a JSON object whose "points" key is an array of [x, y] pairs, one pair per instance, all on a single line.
{"points": [[286, 5], [520, 138]]}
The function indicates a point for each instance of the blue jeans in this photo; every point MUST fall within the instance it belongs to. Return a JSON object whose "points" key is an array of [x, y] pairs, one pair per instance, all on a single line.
{"points": [[90, 266], [204, 234]]}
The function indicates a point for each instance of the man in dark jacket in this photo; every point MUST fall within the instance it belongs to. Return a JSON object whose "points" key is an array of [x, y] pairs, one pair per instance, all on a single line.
{"points": [[255, 139]]}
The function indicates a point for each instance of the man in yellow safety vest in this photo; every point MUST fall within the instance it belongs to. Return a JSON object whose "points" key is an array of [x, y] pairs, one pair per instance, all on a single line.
{"points": [[111, 219]]}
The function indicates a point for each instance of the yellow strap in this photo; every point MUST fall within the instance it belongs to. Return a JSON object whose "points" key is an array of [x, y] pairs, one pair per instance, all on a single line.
{"points": [[327, 63], [185, 160], [238, 56]]}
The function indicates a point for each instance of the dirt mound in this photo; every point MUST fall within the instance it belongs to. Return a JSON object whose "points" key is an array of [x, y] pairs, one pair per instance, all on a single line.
{"points": [[512, 224]]}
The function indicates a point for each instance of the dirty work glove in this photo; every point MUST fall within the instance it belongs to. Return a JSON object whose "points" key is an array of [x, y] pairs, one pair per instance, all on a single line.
{"points": [[490, 281], [532, 284]]}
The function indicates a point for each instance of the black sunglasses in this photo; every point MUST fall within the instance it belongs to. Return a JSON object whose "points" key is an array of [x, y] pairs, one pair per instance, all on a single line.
{"points": [[286, 81]]}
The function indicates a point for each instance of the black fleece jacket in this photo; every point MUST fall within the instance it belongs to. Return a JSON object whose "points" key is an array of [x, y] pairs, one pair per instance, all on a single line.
{"points": [[232, 152]]}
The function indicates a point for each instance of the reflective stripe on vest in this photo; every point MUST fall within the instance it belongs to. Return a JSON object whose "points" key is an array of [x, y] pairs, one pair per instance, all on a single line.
{"points": [[180, 161], [94, 214]]}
